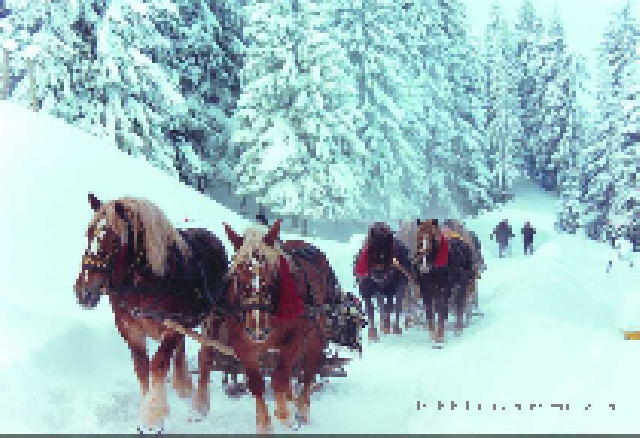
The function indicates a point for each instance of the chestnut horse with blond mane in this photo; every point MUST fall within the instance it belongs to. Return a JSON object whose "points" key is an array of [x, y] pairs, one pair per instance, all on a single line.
{"points": [[152, 273], [276, 295]]}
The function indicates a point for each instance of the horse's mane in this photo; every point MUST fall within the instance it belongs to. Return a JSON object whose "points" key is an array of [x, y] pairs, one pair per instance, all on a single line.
{"points": [[159, 234], [252, 242]]}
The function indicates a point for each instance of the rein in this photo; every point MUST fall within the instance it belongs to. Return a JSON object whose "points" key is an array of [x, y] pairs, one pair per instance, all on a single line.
{"points": [[397, 264]]}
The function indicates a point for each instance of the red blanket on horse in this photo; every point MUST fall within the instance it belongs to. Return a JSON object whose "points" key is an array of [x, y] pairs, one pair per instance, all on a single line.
{"points": [[290, 304]]}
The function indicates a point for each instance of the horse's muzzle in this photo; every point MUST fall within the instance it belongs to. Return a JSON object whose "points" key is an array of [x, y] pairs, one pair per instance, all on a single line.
{"points": [[258, 336], [88, 296]]}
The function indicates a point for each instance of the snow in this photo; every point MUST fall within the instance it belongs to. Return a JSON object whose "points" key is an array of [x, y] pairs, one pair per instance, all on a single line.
{"points": [[551, 331]]}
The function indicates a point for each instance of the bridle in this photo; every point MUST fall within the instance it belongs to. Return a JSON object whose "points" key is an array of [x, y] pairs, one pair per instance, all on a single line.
{"points": [[255, 302], [104, 264]]}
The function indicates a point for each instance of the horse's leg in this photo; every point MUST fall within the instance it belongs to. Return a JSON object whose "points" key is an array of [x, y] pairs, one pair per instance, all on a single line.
{"points": [[365, 293], [136, 339], [210, 329], [312, 363], [429, 309], [443, 310], [282, 377], [181, 379], [155, 407], [256, 385], [470, 299], [459, 302], [385, 316], [399, 299]]}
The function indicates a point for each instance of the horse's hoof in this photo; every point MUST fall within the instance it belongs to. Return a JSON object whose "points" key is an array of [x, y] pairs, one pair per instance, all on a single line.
{"points": [[302, 417], [373, 335], [264, 429], [235, 390], [284, 417], [153, 416], [143, 430], [201, 406], [397, 330], [184, 391]]}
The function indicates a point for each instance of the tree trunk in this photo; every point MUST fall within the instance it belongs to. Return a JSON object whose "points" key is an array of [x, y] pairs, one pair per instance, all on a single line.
{"points": [[5, 74], [32, 84], [304, 227]]}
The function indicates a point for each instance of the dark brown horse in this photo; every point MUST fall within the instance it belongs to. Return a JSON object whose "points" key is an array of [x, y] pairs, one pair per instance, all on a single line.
{"points": [[270, 283], [446, 272], [151, 273], [378, 274]]}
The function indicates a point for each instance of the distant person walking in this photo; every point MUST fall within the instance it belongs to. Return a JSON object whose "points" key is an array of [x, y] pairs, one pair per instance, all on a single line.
{"points": [[503, 233], [527, 235]]}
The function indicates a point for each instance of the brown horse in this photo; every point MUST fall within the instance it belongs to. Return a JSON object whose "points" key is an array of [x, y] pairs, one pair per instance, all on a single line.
{"points": [[446, 272], [151, 272], [270, 283], [381, 268]]}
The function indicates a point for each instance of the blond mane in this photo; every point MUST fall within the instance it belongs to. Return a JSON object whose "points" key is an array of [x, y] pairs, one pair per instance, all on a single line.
{"points": [[252, 242], [159, 233]]}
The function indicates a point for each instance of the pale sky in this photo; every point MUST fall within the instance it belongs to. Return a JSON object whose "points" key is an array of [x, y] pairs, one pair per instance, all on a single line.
{"points": [[584, 20]]}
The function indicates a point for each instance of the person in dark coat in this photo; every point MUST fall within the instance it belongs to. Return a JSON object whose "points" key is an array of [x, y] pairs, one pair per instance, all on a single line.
{"points": [[527, 235], [503, 233]]}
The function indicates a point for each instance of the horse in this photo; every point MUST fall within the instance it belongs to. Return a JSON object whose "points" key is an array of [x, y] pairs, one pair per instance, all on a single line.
{"points": [[454, 229], [275, 303], [445, 271], [382, 268], [152, 273]]}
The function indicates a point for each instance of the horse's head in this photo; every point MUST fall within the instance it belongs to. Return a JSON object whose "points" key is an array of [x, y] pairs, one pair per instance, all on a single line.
{"points": [[254, 278], [428, 242], [107, 251], [380, 250]]}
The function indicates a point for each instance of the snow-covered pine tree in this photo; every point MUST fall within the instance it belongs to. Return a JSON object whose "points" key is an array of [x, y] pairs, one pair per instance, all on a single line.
{"points": [[612, 186], [440, 98], [529, 33], [501, 122], [468, 178], [206, 59], [391, 160], [117, 70], [573, 146], [294, 141], [561, 81]]}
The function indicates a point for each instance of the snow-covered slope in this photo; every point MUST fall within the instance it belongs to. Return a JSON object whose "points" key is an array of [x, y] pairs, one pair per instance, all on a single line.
{"points": [[551, 333]]}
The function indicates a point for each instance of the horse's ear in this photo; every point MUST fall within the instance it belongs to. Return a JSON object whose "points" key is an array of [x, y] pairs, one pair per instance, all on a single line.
{"points": [[94, 202], [418, 221], [120, 210], [272, 235], [235, 239]]}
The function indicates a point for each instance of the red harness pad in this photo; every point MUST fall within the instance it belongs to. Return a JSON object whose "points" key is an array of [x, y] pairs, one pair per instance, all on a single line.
{"points": [[290, 304], [442, 257], [362, 267]]}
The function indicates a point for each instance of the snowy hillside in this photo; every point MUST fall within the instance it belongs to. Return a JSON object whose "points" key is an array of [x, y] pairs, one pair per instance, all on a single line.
{"points": [[551, 331]]}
